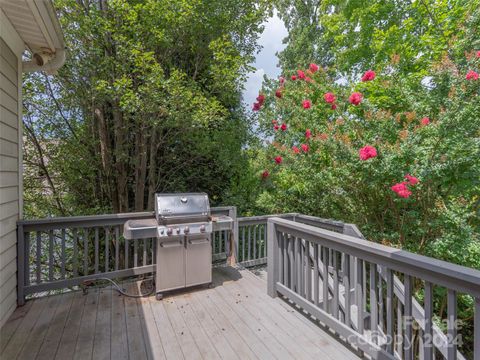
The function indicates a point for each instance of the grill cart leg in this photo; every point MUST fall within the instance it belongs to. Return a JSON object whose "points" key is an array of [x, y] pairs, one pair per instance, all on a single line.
{"points": [[159, 296]]}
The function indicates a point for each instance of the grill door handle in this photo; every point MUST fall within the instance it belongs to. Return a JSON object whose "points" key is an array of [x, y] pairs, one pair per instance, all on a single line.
{"points": [[169, 244], [199, 241]]}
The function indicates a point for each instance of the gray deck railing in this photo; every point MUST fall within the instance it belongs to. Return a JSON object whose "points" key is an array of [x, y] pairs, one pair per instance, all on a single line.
{"points": [[58, 253], [364, 291]]}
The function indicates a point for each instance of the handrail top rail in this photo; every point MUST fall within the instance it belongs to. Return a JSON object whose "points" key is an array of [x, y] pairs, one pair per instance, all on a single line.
{"points": [[453, 276], [100, 218]]}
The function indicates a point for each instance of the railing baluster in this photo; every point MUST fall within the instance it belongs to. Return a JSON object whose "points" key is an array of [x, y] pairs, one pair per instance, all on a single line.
{"points": [[26, 275], [85, 251], [325, 278], [316, 279], [75, 252], [380, 300], [298, 261], [126, 245], [255, 241], [399, 329], [302, 269], [286, 274], [50, 255], [280, 237], [117, 248], [452, 324], [408, 340], [264, 238], [243, 243], [359, 290], [346, 288], [428, 333], [249, 242], [135, 252], [144, 257], [335, 284], [373, 302], [291, 262], [63, 254], [107, 249], [96, 250], [476, 327], [308, 269], [390, 311]]}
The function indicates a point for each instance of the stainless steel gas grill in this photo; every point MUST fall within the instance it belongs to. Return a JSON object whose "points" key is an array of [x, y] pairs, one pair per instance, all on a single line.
{"points": [[183, 226]]}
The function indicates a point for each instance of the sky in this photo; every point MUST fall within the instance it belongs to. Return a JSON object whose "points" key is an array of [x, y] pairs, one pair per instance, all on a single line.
{"points": [[266, 61]]}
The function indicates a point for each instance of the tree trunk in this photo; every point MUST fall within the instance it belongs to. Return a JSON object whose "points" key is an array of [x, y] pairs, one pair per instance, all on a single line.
{"points": [[152, 170], [140, 169]]}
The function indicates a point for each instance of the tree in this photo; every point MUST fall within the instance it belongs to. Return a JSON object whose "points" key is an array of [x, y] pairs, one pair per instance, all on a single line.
{"points": [[148, 100]]}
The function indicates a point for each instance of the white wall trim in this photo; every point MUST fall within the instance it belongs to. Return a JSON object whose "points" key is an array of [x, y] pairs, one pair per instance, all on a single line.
{"points": [[10, 35], [20, 139]]}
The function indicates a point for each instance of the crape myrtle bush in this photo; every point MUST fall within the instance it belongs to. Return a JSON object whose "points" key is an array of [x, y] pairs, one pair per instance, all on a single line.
{"points": [[395, 155]]}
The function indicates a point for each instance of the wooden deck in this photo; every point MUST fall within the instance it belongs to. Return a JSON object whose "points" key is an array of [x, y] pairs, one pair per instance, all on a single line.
{"points": [[234, 320]]}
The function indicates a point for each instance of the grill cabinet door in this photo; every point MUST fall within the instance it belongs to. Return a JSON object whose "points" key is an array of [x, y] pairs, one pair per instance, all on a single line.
{"points": [[198, 260], [170, 264]]}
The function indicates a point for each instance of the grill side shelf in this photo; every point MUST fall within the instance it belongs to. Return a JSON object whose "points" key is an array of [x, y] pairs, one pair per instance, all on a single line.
{"points": [[140, 229]]}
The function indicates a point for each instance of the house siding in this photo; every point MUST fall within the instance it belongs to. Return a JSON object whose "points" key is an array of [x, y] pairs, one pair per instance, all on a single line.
{"points": [[10, 185]]}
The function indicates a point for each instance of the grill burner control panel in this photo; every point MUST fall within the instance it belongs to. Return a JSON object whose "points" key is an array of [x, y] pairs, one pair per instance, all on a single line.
{"points": [[190, 229]]}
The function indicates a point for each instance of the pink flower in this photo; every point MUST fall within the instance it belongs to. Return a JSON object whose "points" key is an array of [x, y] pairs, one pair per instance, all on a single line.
{"points": [[329, 97], [355, 98], [283, 127], [401, 190], [282, 80], [278, 93], [471, 75], [425, 121], [304, 147], [261, 99], [276, 127], [278, 159], [294, 77], [274, 122], [334, 107], [301, 74], [308, 134], [412, 180], [313, 68], [478, 53], [265, 174], [295, 149], [308, 79], [369, 75], [307, 104], [256, 106], [367, 152]]}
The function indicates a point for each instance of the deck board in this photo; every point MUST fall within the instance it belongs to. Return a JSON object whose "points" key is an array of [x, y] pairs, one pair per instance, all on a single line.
{"points": [[235, 319]]}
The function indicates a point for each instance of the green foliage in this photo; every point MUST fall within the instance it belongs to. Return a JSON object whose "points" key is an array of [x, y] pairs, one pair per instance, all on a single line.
{"points": [[148, 100], [421, 71]]}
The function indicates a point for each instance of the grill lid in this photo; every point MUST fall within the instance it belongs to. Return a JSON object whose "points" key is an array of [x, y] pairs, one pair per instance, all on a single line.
{"points": [[181, 207]]}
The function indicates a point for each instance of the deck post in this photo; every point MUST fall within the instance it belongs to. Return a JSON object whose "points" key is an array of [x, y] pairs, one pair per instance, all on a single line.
{"points": [[272, 260], [20, 266], [233, 238]]}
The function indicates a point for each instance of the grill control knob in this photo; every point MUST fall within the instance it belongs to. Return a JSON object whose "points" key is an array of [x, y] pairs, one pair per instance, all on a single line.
{"points": [[169, 231], [186, 230], [177, 230], [202, 228]]}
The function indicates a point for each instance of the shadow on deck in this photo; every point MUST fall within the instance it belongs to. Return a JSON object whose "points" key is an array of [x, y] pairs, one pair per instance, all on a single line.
{"points": [[236, 319]]}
